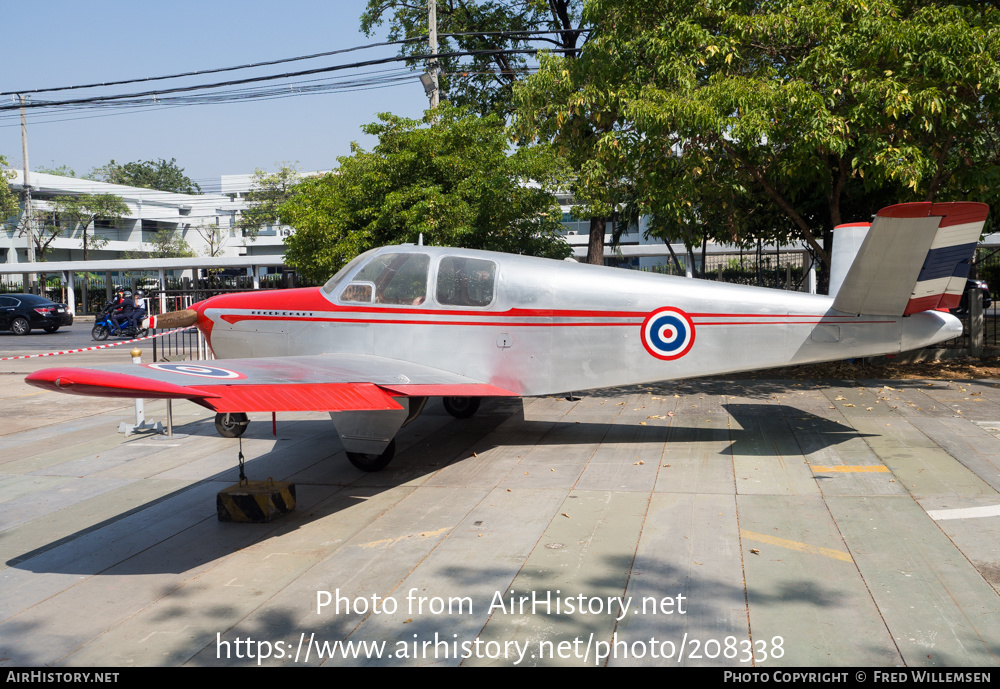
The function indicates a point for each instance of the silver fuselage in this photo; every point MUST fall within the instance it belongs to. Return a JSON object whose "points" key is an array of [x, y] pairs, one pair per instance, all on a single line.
{"points": [[556, 326]]}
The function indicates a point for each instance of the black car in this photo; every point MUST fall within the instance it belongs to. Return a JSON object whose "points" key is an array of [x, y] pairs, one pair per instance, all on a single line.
{"points": [[20, 313], [970, 284]]}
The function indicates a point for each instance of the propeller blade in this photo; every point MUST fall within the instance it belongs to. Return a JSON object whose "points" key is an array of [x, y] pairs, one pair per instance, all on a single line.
{"points": [[174, 319]]}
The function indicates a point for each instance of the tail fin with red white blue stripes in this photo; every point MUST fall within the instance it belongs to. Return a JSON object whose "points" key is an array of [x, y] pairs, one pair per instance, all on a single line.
{"points": [[915, 257]]}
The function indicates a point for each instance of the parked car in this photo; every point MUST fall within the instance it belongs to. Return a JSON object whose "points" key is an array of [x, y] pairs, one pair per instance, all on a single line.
{"points": [[21, 313], [970, 284]]}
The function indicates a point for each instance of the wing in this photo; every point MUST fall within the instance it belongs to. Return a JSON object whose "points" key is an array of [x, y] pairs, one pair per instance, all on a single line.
{"points": [[326, 382]]}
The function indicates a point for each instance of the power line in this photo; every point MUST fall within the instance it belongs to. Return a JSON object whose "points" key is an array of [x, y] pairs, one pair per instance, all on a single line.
{"points": [[216, 70], [305, 88], [268, 63], [238, 82]]}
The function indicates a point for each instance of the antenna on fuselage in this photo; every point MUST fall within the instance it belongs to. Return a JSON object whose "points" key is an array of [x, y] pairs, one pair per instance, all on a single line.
{"points": [[420, 239]]}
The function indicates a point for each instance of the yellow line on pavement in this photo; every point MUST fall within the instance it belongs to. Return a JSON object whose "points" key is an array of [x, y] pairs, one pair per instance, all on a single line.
{"points": [[862, 468], [795, 545], [386, 542]]}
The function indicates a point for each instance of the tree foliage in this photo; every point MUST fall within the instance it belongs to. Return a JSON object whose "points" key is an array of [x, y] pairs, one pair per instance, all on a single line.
{"points": [[730, 116], [453, 182], [60, 170], [481, 82], [8, 202], [167, 243], [215, 239], [46, 229], [163, 175], [82, 210], [268, 191]]}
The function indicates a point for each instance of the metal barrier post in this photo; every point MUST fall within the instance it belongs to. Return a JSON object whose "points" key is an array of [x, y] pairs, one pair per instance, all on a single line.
{"points": [[977, 342], [140, 412]]}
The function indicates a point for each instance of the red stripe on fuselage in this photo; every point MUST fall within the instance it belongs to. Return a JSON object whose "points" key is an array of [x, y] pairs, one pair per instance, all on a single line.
{"points": [[809, 320]]}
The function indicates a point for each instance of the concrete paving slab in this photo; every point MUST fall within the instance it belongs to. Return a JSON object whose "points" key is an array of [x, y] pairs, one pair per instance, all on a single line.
{"points": [[867, 537], [804, 589], [937, 606], [688, 600]]}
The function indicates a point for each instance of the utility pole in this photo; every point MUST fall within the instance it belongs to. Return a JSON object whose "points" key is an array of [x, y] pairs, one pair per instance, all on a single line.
{"points": [[28, 220], [432, 39]]}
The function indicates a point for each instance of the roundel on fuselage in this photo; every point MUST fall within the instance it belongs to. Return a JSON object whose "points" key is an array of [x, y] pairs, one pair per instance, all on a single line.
{"points": [[667, 333]]}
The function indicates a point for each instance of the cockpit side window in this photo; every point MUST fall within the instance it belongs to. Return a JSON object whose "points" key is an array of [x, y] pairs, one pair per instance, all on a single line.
{"points": [[465, 281], [391, 279]]}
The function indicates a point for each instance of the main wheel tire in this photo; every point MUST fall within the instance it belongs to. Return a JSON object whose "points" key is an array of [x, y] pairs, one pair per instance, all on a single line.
{"points": [[100, 332], [461, 407], [231, 425], [371, 462], [51, 328], [20, 326]]}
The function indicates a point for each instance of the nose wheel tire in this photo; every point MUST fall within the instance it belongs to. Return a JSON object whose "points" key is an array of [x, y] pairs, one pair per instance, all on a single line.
{"points": [[231, 425], [461, 407], [373, 462]]}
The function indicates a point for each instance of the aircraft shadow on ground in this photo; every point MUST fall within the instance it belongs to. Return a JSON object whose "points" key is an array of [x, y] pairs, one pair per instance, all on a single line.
{"points": [[333, 485]]}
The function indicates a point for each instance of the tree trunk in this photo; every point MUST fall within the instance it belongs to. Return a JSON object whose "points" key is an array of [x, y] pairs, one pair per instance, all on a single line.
{"points": [[595, 248], [673, 255], [704, 250]]}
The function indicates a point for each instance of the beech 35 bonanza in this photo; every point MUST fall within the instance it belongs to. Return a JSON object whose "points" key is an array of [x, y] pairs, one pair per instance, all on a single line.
{"points": [[403, 323]]}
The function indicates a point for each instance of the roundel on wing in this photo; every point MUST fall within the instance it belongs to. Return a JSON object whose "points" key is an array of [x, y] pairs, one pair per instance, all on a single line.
{"points": [[667, 333], [199, 370]]}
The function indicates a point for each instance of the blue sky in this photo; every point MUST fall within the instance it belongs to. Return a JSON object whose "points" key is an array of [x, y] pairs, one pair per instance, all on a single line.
{"points": [[67, 42]]}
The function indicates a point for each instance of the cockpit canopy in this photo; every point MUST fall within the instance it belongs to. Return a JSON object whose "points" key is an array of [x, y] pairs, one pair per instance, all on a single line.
{"points": [[408, 278]]}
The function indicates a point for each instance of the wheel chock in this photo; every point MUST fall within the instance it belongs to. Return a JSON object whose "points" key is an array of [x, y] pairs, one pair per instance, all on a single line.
{"points": [[255, 502]]}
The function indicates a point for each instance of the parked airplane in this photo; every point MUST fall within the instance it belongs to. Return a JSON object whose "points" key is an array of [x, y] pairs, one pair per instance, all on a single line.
{"points": [[403, 323]]}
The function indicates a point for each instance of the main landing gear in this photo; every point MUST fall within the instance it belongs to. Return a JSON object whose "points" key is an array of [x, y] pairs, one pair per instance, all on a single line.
{"points": [[373, 462], [461, 407], [231, 425], [361, 431]]}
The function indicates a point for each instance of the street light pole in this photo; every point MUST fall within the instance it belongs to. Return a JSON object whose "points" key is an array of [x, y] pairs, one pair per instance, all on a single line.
{"points": [[432, 39], [29, 225]]}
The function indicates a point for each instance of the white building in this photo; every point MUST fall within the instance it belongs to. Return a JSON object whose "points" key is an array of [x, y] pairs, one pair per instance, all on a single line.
{"points": [[208, 223]]}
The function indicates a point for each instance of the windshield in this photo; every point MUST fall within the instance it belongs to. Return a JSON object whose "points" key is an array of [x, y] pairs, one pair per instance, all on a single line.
{"points": [[390, 279], [332, 283]]}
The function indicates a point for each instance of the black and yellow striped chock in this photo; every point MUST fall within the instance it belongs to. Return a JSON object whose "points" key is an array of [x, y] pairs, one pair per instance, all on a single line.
{"points": [[255, 502]]}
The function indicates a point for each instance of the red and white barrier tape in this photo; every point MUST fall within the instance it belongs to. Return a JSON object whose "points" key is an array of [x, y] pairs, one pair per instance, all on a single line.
{"points": [[104, 346]]}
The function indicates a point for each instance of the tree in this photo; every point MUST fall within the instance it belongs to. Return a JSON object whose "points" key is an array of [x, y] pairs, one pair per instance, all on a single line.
{"points": [[167, 243], [8, 202], [815, 112], [214, 237], [81, 211], [162, 175], [454, 182], [61, 170], [268, 191], [45, 232], [481, 82]]}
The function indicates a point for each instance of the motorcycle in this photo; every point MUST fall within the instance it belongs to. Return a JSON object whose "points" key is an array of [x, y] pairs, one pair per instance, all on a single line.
{"points": [[104, 326]]}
